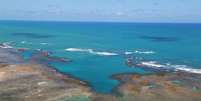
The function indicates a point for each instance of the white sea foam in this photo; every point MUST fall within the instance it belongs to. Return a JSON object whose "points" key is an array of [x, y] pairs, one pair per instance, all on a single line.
{"points": [[144, 52], [77, 50], [139, 52], [25, 42], [106, 53], [154, 64], [197, 71], [5, 45], [103, 53], [44, 43], [186, 68], [91, 51], [128, 53]]}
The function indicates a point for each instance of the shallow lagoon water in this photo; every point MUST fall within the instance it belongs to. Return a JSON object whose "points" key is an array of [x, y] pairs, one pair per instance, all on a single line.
{"points": [[173, 44]]}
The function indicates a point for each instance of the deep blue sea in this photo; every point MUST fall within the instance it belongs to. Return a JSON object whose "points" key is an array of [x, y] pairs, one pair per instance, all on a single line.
{"points": [[99, 50]]}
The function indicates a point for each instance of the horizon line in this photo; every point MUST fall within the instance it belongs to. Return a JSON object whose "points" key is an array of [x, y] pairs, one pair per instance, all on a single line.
{"points": [[96, 21]]}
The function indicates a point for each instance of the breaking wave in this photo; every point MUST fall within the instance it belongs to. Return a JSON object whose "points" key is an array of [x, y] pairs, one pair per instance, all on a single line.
{"points": [[152, 64], [108, 53], [167, 66], [187, 69], [5, 45], [128, 53], [139, 52], [77, 50], [91, 51], [144, 52]]}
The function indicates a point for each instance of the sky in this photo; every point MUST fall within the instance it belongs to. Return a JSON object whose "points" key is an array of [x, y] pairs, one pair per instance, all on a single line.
{"points": [[102, 10]]}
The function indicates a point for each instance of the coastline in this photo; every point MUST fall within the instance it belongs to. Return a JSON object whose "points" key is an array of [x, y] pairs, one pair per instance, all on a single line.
{"points": [[27, 81], [172, 86]]}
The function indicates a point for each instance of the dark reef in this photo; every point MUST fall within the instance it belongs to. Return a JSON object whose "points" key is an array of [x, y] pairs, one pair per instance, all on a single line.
{"points": [[32, 35], [159, 38]]}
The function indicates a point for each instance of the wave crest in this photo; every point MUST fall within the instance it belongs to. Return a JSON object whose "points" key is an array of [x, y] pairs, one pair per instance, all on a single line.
{"points": [[139, 52], [144, 52], [91, 51], [153, 64], [185, 68], [5, 45]]}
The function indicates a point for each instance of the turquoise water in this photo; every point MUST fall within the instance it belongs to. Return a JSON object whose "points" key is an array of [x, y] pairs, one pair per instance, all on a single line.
{"points": [[98, 50]]}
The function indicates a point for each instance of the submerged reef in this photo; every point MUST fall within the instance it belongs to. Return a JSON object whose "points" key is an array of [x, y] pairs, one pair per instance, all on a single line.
{"points": [[159, 38], [32, 35]]}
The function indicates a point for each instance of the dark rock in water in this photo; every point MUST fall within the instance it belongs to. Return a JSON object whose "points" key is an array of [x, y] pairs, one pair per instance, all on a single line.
{"points": [[46, 57], [159, 38], [129, 62], [32, 35], [133, 63], [58, 59], [22, 49]]}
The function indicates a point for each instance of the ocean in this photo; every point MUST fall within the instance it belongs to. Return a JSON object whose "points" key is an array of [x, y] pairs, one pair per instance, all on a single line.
{"points": [[98, 50]]}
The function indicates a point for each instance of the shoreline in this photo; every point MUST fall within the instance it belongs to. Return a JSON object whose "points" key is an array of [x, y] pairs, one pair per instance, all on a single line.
{"points": [[48, 67], [43, 65], [54, 83], [176, 86], [40, 82]]}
